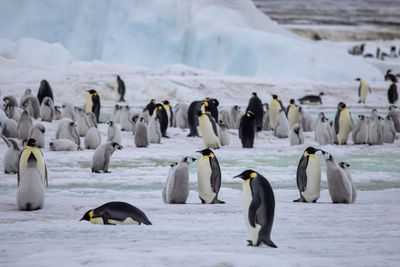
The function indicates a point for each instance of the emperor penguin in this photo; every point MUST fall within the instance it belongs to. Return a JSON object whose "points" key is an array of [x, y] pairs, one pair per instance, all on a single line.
{"points": [[259, 207], [292, 113], [375, 131], [266, 124], [312, 99], [44, 91], [151, 106], [363, 90], [345, 166], [234, 117], [24, 125], [274, 108], [224, 137], [390, 76], [209, 177], [92, 138], [360, 131], [69, 111], [141, 134], [393, 95], [177, 185], [116, 113], [322, 132], [63, 145], [206, 105], [101, 156], [281, 129], [162, 116], [170, 113], [113, 132], [309, 176], [66, 129], [30, 193], [27, 155], [247, 130], [11, 157], [374, 114], [133, 119], [9, 128], [296, 136], [208, 130], [343, 124], [93, 103], [9, 99], [57, 113], [28, 92], [125, 123], [181, 115], [154, 130], [389, 132], [394, 115], [12, 112], [116, 212], [339, 185], [47, 109], [37, 133], [164, 190], [255, 106], [31, 104], [120, 88], [82, 123]]}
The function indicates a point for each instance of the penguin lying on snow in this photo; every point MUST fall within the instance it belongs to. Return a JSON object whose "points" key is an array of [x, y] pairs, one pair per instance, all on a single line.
{"points": [[311, 99], [259, 207], [116, 212]]}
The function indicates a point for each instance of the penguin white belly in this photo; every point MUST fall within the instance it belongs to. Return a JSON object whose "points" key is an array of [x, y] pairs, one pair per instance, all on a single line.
{"points": [[247, 198], [128, 220], [363, 93], [313, 187], [207, 133], [204, 181], [273, 112], [88, 104], [344, 127], [293, 116]]}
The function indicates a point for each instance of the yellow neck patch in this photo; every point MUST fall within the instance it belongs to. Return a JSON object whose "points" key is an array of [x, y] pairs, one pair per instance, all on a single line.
{"points": [[91, 214], [211, 155], [253, 175]]}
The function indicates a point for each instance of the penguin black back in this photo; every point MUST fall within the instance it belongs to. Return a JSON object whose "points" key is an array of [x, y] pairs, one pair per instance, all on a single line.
{"points": [[95, 103], [44, 90], [162, 116], [121, 89], [247, 129], [211, 105], [392, 93], [255, 106], [151, 106]]}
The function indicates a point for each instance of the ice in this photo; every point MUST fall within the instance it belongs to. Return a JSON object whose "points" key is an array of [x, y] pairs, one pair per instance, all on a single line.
{"points": [[227, 37]]}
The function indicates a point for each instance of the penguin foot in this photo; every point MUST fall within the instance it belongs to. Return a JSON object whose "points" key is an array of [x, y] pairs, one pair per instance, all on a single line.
{"points": [[250, 243], [96, 171], [299, 200], [107, 171], [165, 136], [217, 201]]}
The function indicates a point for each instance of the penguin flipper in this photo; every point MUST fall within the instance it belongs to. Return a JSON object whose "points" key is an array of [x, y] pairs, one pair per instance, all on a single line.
{"points": [[215, 179], [337, 122], [255, 204], [46, 181]]}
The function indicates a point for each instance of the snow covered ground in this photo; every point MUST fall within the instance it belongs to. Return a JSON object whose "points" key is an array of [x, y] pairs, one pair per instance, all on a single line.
{"points": [[363, 234]]}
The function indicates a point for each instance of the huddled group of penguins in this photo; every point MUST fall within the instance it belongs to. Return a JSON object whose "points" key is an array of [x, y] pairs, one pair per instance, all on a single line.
{"points": [[358, 50], [203, 119]]}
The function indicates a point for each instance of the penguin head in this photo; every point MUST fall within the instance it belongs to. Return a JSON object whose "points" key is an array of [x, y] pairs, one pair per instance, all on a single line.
{"points": [[159, 106], [116, 146], [275, 97], [44, 83], [266, 106], [31, 142], [254, 94], [173, 164], [110, 123], [291, 102], [236, 107], [166, 103], [188, 160], [311, 151], [247, 174], [87, 216], [321, 94], [392, 107], [327, 155], [341, 106], [358, 79], [206, 152], [361, 117], [344, 165]]}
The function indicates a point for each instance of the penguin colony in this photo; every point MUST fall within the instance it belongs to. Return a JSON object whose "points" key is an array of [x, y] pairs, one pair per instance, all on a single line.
{"points": [[149, 126]]}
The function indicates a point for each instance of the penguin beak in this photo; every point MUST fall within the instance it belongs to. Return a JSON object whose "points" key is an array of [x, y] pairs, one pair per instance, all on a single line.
{"points": [[237, 176]]}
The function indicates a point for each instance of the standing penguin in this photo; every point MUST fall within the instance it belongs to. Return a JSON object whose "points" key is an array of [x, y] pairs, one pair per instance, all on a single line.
{"points": [[307, 122], [274, 108], [44, 91], [37, 133], [24, 125], [360, 131], [31, 104], [322, 130], [223, 134], [93, 103], [309, 176], [393, 95], [208, 104], [296, 136], [181, 115], [9, 128], [345, 166], [208, 130], [234, 117], [92, 119], [162, 116], [116, 113], [255, 106], [292, 113], [141, 134], [394, 115], [177, 185], [101, 156], [247, 130], [169, 111], [209, 178], [154, 130], [30, 193], [363, 90], [281, 129], [116, 213], [339, 185], [259, 207], [120, 88], [82, 123], [126, 124], [113, 132], [47, 109], [266, 124], [164, 190], [375, 131], [31, 151], [57, 113], [343, 123], [92, 138], [11, 157]]}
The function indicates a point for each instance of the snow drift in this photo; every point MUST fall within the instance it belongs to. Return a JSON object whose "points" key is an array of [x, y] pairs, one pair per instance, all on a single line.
{"points": [[225, 36]]}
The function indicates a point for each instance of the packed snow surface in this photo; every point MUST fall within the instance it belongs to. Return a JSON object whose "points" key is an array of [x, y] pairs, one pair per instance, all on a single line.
{"points": [[227, 37]]}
